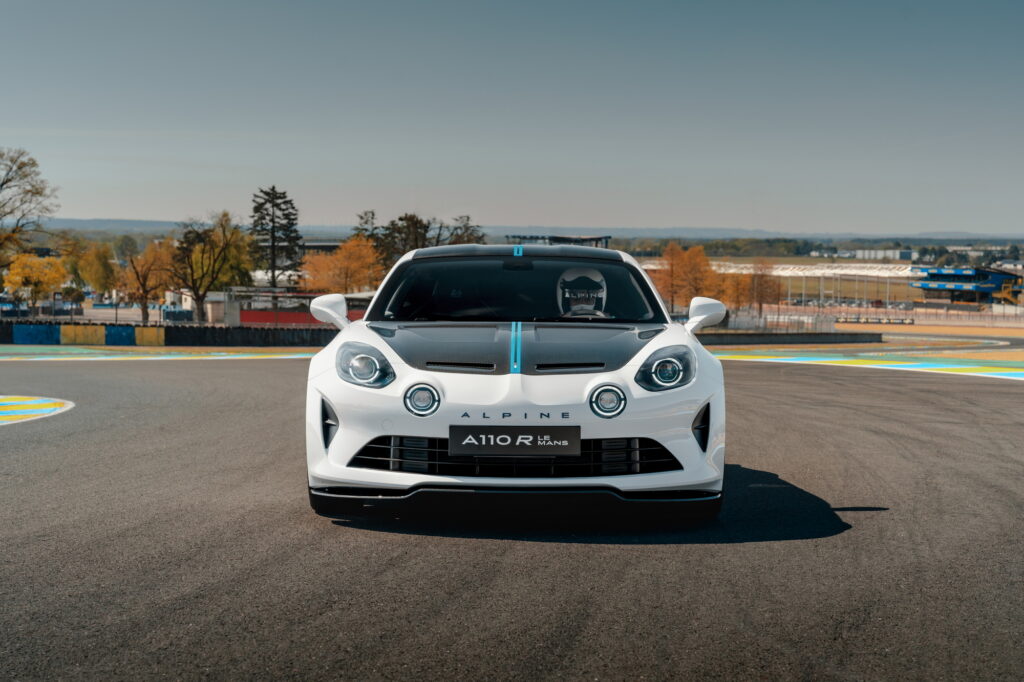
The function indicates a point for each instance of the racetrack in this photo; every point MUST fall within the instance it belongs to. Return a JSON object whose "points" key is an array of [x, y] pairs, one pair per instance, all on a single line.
{"points": [[872, 529]]}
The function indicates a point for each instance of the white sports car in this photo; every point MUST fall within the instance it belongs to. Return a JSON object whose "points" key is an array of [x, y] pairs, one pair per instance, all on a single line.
{"points": [[540, 370]]}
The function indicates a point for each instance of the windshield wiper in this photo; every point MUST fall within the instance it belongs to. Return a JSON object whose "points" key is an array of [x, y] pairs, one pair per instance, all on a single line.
{"points": [[580, 318]]}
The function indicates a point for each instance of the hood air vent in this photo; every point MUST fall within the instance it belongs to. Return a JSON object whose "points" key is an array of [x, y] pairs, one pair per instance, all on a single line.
{"points": [[569, 367], [461, 366]]}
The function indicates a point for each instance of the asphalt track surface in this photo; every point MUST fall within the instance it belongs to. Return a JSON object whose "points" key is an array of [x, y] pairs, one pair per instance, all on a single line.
{"points": [[873, 530]]}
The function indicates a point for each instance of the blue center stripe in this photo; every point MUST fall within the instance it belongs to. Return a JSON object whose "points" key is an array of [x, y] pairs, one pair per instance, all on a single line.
{"points": [[517, 250], [516, 348], [519, 348]]}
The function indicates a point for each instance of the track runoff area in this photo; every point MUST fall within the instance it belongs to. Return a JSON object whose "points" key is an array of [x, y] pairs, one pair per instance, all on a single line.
{"points": [[969, 356], [871, 530]]}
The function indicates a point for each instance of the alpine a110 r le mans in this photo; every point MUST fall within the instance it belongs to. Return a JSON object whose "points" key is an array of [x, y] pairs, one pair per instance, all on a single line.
{"points": [[543, 370]]}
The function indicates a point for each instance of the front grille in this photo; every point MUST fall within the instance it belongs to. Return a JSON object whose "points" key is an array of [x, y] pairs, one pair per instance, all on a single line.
{"points": [[598, 457]]}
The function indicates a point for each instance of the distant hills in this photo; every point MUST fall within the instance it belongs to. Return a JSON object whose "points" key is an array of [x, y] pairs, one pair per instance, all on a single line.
{"points": [[111, 225], [498, 232]]}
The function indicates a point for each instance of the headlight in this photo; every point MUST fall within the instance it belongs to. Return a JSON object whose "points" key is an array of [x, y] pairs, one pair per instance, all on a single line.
{"points": [[364, 365], [607, 401], [422, 400], [670, 367]]}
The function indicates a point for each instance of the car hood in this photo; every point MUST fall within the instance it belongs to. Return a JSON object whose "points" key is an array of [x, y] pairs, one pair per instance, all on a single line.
{"points": [[511, 347]]}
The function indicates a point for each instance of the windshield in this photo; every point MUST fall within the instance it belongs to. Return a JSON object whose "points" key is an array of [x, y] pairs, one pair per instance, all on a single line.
{"points": [[516, 288]]}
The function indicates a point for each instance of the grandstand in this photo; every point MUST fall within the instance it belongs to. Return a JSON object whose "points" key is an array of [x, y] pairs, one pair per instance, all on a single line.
{"points": [[970, 285]]}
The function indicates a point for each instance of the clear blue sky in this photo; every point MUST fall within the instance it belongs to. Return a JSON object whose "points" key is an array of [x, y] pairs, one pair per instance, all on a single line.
{"points": [[799, 116]]}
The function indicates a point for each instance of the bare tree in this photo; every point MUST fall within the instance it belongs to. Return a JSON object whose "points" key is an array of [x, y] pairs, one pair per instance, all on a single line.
{"points": [[410, 231], [764, 286], [25, 200], [145, 276]]}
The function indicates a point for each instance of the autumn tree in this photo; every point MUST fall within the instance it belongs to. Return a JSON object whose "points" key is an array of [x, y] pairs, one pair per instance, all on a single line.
{"points": [[39, 277], [764, 286], [696, 277], [736, 289], [25, 200], [666, 278], [685, 274], [353, 266], [207, 256], [277, 241], [238, 269], [72, 249], [409, 231], [96, 267], [146, 275], [72, 294], [125, 247]]}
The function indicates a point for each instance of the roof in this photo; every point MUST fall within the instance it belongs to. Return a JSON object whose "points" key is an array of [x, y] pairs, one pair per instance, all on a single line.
{"points": [[932, 270], [966, 286], [534, 250]]}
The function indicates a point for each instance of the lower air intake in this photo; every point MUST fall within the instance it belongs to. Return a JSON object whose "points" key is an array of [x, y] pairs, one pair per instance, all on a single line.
{"points": [[702, 427], [328, 422], [598, 457]]}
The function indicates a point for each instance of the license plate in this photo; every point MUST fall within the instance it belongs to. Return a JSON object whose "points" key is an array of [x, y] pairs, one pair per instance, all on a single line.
{"points": [[514, 441]]}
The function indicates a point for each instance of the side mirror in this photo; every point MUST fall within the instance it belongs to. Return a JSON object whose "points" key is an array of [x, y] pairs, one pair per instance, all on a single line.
{"points": [[704, 312], [330, 308]]}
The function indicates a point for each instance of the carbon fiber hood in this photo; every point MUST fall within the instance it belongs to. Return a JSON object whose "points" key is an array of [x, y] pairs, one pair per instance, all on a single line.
{"points": [[488, 348]]}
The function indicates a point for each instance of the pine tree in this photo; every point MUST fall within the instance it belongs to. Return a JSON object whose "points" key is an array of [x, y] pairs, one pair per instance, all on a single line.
{"points": [[277, 242]]}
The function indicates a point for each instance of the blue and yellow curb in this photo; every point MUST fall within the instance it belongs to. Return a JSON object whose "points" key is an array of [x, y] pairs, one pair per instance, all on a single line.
{"points": [[87, 335], [908, 365], [22, 408]]}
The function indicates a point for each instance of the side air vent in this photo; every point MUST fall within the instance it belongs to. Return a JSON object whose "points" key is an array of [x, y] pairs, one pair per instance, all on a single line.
{"points": [[702, 427], [568, 367], [461, 366], [328, 422]]}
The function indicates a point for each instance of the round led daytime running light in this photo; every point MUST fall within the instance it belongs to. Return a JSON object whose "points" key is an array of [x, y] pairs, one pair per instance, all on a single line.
{"points": [[607, 401], [422, 400]]}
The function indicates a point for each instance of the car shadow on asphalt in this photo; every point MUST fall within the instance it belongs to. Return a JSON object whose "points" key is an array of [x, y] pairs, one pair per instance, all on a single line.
{"points": [[759, 507]]}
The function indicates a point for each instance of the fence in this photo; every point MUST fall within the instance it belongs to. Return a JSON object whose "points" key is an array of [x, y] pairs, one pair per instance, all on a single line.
{"points": [[99, 314], [771, 321], [1008, 316], [276, 308]]}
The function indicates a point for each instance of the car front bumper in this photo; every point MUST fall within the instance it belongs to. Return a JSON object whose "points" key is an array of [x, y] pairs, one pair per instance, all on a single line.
{"points": [[365, 414], [344, 502]]}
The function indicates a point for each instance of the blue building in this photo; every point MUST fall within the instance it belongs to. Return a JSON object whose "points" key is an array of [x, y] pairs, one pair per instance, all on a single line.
{"points": [[969, 285]]}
